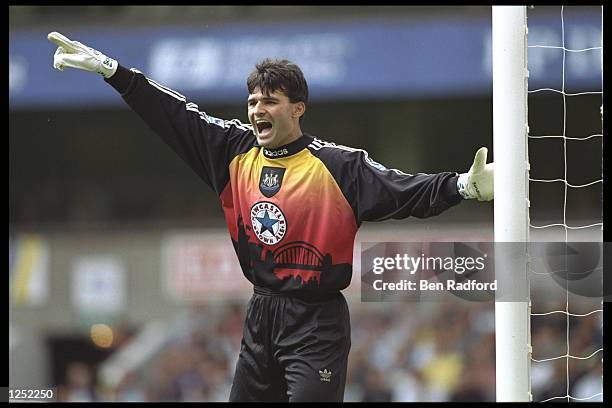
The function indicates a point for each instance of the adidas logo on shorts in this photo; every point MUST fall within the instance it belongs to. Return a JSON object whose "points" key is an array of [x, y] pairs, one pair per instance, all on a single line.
{"points": [[325, 375]]}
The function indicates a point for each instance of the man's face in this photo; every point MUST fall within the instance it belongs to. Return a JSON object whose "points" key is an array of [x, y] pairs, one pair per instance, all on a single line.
{"points": [[274, 118]]}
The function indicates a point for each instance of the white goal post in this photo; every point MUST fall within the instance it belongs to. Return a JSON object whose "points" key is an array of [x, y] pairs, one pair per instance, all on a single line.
{"points": [[511, 205]]}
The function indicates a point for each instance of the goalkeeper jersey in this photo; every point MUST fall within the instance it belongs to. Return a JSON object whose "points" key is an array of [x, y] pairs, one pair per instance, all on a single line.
{"points": [[292, 212]]}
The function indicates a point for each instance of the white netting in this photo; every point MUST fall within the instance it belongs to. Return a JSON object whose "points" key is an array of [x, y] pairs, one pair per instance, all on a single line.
{"points": [[541, 373]]}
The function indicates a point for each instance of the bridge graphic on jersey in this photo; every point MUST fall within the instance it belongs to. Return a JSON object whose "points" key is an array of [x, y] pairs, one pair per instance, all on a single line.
{"points": [[301, 255], [298, 260]]}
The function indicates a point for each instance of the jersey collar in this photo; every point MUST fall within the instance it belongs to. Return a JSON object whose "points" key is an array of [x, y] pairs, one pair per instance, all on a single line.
{"points": [[288, 149]]}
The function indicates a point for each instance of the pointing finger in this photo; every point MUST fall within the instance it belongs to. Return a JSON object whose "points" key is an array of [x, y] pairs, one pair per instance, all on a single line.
{"points": [[61, 41]]}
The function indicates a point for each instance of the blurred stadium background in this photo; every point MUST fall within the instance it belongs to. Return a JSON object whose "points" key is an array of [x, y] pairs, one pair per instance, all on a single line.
{"points": [[123, 283]]}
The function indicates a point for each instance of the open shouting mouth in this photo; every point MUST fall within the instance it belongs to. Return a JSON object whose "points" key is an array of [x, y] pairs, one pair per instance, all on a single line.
{"points": [[264, 127]]}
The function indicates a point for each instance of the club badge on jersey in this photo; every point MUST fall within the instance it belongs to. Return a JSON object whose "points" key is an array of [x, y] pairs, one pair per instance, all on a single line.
{"points": [[270, 180]]}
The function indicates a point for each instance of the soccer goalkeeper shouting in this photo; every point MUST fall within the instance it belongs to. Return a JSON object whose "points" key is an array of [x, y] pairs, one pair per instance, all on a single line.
{"points": [[293, 204]]}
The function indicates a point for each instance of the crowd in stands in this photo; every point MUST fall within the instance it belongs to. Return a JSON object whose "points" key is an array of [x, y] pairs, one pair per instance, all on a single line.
{"points": [[428, 351]]}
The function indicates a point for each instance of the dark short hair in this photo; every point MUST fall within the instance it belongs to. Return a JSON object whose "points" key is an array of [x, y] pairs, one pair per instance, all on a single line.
{"points": [[271, 75]]}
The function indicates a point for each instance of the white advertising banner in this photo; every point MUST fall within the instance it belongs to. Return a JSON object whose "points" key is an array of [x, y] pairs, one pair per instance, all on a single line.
{"points": [[98, 284], [198, 266]]}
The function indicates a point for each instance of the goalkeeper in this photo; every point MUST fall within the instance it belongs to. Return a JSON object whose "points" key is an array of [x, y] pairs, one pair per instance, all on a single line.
{"points": [[292, 204]]}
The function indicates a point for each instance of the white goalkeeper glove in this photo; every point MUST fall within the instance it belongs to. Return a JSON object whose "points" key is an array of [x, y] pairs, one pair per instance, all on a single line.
{"points": [[478, 181], [76, 55]]}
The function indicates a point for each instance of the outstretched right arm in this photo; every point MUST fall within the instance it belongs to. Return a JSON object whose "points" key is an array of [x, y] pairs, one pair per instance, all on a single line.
{"points": [[206, 143]]}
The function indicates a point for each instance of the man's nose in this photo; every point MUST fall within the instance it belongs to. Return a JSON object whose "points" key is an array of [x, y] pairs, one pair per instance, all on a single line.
{"points": [[259, 110]]}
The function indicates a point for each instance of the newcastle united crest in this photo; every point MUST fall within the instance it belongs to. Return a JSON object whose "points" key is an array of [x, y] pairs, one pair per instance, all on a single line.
{"points": [[271, 180]]}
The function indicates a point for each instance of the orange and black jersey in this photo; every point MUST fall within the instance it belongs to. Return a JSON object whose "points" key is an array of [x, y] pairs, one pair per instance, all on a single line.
{"points": [[292, 212]]}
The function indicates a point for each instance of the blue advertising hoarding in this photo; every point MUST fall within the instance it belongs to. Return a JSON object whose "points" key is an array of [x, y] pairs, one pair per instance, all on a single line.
{"points": [[363, 59]]}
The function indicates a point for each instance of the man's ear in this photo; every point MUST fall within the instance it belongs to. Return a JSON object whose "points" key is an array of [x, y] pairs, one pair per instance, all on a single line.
{"points": [[298, 109]]}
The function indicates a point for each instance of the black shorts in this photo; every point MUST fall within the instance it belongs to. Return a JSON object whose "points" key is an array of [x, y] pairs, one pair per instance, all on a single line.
{"points": [[293, 349]]}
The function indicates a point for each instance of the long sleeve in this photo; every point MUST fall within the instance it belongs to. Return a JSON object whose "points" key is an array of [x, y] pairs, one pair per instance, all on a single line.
{"points": [[207, 144], [376, 193]]}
